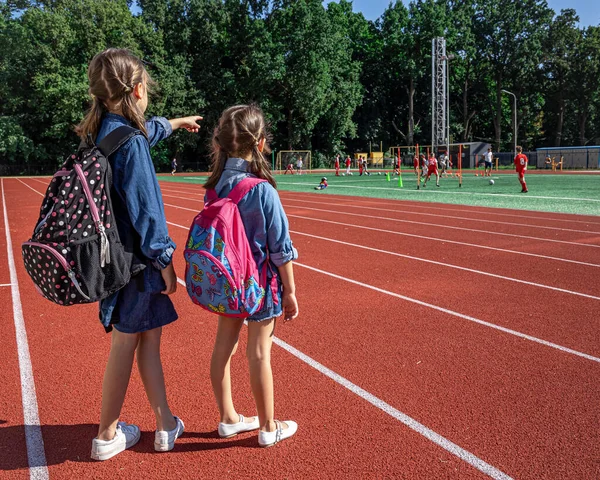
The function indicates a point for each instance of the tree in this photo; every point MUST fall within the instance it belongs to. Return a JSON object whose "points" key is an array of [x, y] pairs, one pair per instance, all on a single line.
{"points": [[509, 36]]}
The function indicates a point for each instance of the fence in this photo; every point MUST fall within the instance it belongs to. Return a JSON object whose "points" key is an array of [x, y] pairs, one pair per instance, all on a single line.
{"points": [[572, 157]]}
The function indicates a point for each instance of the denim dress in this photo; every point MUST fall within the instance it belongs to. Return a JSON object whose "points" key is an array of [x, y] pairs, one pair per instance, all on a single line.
{"points": [[140, 218], [267, 229]]}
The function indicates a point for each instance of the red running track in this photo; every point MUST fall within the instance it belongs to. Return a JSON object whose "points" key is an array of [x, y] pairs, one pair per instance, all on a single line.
{"points": [[529, 410]]}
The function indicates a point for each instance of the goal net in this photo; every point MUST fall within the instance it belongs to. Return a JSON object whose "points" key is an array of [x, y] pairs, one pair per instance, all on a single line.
{"points": [[285, 158]]}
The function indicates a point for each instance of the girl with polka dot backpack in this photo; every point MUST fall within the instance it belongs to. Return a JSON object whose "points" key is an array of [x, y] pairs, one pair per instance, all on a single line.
{"points": [[74, 255]]}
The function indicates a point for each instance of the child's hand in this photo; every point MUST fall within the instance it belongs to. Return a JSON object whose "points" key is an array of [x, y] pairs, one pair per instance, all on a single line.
{"points": [[168, 275], [290, 306], [189, 123]]}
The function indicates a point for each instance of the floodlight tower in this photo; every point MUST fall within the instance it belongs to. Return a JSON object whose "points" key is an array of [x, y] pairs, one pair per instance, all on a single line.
{"points": [[439, 93]]}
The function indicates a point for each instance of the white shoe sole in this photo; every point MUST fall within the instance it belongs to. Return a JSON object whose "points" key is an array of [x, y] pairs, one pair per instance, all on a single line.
{"points": [[231, 430], [167, 447], [116, 449], [272, 437]]}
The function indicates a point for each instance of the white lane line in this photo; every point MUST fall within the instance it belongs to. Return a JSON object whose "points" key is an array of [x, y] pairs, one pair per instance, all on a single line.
{"points": [[512, 224], [410, 422], [445, 241], [36, 456], [6, 285], [451, 227], [442, 192], [381, 205], [360, 201], [181, 208], [444, 310], [449, 265], [455, 314], [420, 236], [184, 198], [30, 187]]}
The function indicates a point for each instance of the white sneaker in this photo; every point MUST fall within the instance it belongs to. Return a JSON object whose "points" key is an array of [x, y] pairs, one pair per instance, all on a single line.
{"points": [[227, 430], [125, 437], [268, 439], [164, 441]]}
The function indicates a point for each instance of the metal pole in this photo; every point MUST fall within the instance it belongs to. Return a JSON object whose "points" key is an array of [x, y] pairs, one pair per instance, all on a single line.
{"points": [[432, 91], [448, 105]]}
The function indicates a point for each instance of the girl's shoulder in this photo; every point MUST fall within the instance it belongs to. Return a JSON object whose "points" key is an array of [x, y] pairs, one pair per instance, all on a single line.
{"points": [[263, 193]]}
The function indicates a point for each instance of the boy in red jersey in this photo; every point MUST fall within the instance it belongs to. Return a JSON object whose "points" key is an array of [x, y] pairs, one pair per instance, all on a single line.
{"points": [[348, 163], [337, 165], [360, 165], [432, 168], [521, 167]]}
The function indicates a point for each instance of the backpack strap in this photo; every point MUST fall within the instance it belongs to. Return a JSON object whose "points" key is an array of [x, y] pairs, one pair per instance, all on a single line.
{"points": [[241, 189], [115, 139]]}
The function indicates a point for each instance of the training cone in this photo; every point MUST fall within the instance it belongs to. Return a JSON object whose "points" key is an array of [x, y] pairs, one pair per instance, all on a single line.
{"points": [[387, 175], [400, 181]]}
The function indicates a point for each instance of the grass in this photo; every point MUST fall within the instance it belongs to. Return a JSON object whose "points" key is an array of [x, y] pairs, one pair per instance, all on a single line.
{"points": [[563, 193]]}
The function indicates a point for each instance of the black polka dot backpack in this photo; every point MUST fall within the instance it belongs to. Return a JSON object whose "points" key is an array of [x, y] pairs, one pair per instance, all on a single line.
{"points": [[74, 255]]}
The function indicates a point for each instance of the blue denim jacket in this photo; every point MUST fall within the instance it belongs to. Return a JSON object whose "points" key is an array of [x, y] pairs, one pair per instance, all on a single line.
{"points": [[264, 220], [138, 203]]}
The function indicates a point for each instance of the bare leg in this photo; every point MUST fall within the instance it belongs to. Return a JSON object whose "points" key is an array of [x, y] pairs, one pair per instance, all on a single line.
{"points": [[226, 342], [151, 372], [260, 339], [116, 380]]}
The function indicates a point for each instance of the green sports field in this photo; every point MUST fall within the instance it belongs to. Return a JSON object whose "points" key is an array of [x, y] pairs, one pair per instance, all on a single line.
{"points": [[566, 193]]}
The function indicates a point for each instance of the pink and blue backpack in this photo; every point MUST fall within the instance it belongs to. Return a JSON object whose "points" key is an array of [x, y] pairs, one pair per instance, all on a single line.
{"points": [[221, 274]]}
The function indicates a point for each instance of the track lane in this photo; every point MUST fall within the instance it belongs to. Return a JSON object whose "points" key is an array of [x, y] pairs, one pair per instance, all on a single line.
{"points": [[58, 336], [483, 407], [536, 217], [582, 253], [13, 449], [575, 237]]}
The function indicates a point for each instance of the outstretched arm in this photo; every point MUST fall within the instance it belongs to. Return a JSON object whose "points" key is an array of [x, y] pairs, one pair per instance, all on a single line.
{"points": [[189, 123]]}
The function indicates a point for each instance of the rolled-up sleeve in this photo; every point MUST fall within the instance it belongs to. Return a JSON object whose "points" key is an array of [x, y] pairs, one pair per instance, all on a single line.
{"points": [[158, 129], [279, 244], [145, 205]]}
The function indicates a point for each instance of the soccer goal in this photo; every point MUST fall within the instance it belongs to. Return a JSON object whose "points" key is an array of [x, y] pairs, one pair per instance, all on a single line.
{"points": [[287, 158]]}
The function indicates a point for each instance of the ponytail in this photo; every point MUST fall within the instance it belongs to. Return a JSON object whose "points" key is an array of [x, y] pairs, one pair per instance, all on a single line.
{"points": [[90, 124]]}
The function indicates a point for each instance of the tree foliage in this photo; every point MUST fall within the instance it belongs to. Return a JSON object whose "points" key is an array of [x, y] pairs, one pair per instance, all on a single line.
{"points": [[327, 79]]}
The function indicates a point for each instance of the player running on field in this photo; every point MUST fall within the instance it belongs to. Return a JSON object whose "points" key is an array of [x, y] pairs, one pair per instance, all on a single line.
{"points": [[365, 167], [337, 165], [443, 164], [432, 168], [521, 167]]}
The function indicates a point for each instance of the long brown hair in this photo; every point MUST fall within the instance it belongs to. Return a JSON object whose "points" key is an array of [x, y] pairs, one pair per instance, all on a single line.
{"points": [[112, 76], [240, 130]]}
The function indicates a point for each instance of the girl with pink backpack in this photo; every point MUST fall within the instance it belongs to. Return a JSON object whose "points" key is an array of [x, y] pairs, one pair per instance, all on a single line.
{"points": [[239, 145]]}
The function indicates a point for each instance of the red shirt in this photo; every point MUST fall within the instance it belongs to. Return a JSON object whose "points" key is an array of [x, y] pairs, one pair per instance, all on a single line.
{"points": [[521, 162], [337, 163], [432, 162], [416, 162], [348, 162]]}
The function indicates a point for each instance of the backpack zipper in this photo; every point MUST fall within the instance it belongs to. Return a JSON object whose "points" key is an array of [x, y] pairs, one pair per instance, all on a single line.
{"points": [[63, 261], [104, 245]]}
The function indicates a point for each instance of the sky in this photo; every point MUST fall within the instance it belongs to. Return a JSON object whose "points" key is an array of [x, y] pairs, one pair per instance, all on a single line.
{"points": [[588, 10]]}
